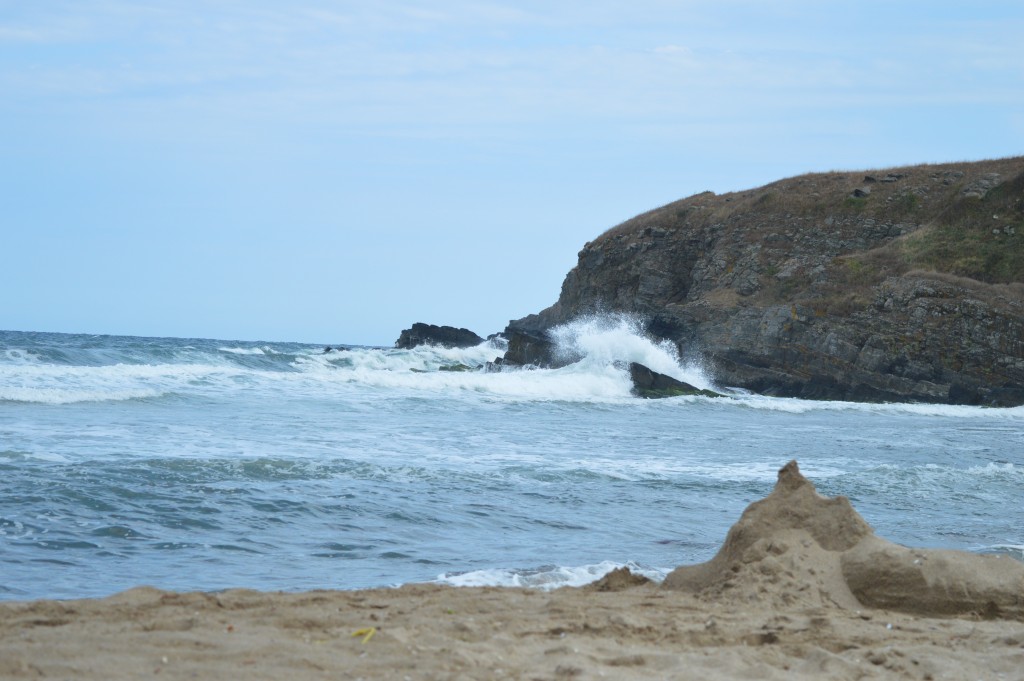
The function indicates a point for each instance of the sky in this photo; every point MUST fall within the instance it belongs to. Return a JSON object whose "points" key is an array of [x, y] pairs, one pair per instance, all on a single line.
{"points": [[333, 171]]}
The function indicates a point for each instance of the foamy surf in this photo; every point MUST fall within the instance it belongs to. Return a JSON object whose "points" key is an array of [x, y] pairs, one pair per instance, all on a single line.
{"points": [[265, 350], [794, 405], [548, 577], [425, 358], [281, 466], [1012, 550], [55, 384], [616, 340], [600, 347]]}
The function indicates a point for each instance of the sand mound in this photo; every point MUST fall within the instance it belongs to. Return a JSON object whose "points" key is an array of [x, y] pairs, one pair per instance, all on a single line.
{"points": [[796, 547], [618, 579]]}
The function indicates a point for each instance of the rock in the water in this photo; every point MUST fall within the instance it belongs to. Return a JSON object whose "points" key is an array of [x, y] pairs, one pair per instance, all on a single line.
{"points": [[651, 384], [457, 367], [431, 334], [798, 547], [527, 347]]}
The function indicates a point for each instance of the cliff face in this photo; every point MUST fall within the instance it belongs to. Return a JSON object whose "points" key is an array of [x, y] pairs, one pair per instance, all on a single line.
{"points": [[904, 284]]}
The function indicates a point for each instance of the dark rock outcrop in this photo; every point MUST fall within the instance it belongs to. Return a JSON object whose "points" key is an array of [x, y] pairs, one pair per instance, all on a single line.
{"points": [[529, 347], [912, 292], [458, 367], [651, 384], [430, 334]]}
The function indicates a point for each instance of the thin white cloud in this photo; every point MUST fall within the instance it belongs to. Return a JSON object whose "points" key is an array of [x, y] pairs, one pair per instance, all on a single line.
{"points": [[674, 50], [479, 64], [16, 34], [43, 30]]}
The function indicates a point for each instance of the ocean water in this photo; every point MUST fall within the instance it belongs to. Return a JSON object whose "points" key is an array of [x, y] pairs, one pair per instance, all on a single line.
{"points": [[195, 464]]}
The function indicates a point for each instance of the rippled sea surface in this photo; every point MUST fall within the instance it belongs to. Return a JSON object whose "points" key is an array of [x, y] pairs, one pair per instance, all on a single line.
{"points": [[204, 464]]}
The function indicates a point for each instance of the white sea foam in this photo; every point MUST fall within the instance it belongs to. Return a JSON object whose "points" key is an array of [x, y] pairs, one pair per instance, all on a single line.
{"points": [[1013, 550], [601, 340], [601, 348], [19, 356], [566, 384], [248, 351], [642, 468], [546, 578], [56, 384], [453, 371], [800, 406], [996, 469], [422, 358], [70, 396]]}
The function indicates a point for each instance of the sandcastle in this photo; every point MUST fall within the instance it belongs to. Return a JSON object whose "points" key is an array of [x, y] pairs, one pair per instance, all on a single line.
{"points": [[797, 547]]}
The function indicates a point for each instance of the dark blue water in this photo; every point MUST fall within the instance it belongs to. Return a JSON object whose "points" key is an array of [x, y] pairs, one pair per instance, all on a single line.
{"points": [[204, 464]]}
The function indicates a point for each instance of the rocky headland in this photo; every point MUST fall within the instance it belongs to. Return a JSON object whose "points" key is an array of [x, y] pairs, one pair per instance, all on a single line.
{"points": [[905, 284]]}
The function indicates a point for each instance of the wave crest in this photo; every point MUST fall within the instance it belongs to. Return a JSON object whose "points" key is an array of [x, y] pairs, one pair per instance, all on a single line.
{"points": [[618, 339], [547, 577]]}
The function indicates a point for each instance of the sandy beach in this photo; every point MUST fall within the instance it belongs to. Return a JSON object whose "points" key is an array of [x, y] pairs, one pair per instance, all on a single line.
{"points": [[801, 589], [436, 632]]}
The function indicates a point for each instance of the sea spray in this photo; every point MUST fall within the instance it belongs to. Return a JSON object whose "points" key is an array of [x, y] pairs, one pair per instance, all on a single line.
{"points": [[598, 348], [617, 340], [59, 369], [424, 358]]}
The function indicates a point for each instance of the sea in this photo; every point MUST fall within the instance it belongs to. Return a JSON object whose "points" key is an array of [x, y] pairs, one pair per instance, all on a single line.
{"points": [[200, 464]]}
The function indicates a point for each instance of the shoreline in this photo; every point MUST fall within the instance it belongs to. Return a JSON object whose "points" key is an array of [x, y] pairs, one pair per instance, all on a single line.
{"points": [[437, 631], [801, 588]]}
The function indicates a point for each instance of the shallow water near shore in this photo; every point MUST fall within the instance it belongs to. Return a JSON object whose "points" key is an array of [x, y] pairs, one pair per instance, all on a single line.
{"points": [[194, 464]]}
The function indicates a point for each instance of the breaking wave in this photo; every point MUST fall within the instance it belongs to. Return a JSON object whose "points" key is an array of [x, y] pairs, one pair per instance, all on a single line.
{"points": [[65, 370], [615, 340], [600, 347]]}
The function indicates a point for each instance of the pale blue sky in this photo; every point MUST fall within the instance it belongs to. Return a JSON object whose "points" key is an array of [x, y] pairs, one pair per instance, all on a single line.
{"points": [[334, 171]]}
